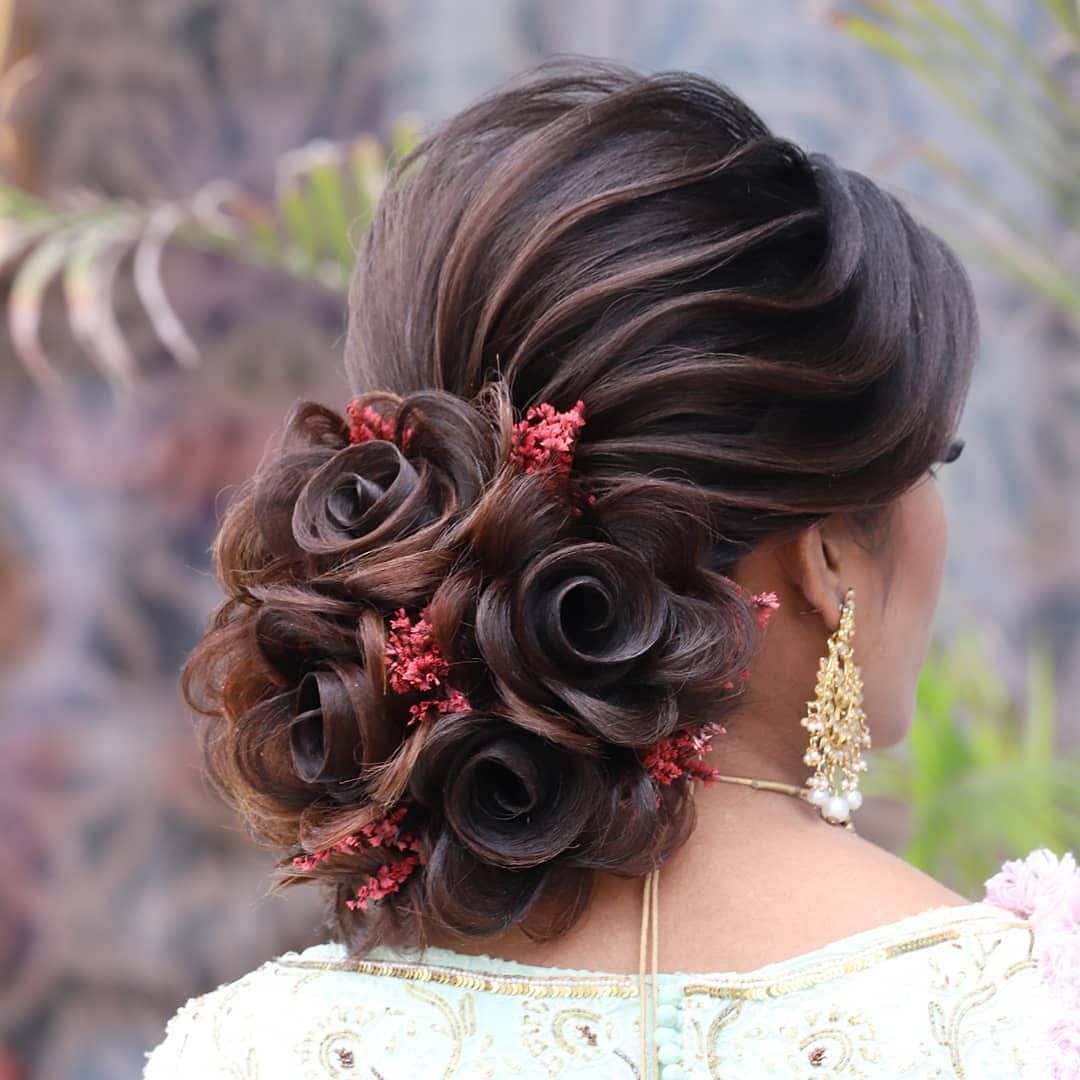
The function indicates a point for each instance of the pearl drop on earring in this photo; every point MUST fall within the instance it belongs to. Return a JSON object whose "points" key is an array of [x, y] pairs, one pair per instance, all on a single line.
{"points": [[837, 810]]}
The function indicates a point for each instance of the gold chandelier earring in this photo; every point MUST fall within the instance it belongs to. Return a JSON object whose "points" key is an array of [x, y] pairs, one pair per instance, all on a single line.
{"points": [[837, 726]]}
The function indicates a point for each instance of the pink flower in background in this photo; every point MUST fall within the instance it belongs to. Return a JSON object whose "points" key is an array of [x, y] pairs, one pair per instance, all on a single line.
{"points": [[1065, 1038], [1046, 890], [1039, 884], [1059, 958]]}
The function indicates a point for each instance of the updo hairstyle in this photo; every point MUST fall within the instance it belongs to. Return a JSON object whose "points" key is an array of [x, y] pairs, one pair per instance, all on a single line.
{"points": [[760, 339]]}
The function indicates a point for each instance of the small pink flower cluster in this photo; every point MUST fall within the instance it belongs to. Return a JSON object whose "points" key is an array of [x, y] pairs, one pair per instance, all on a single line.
{"points": [[546, 438], [386, 832], [766, 604], [1046, 890], [386, 880], [415, 664], [365, 424], [682, 755]]}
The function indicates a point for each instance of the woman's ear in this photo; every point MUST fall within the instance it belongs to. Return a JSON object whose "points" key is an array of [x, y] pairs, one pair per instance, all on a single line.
{"points": [[814, 565]]}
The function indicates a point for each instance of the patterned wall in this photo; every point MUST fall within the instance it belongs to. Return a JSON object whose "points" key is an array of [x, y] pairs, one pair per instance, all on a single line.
{"points": [[123, 887]]}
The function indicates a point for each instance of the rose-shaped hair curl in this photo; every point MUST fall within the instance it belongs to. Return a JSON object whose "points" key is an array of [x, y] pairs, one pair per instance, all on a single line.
{"points": [[365, 496], [589, 609], [581, 630], [323, 747], [463, 437], [510, 797], [316, 738], [275, 493]]}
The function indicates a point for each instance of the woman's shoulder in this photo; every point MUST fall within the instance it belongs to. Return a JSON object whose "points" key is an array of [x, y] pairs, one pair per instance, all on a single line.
{"points": [[322, 1013], [242, 1022], [200, 1039]]}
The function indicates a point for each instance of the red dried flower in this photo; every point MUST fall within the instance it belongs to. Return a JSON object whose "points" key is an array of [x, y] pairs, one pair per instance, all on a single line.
{"points": [[415, 663], [454, 701], [386, 880], [682, 755], [546, 438], [365, 424], [414, 660], [309, 862], [384, 832]]}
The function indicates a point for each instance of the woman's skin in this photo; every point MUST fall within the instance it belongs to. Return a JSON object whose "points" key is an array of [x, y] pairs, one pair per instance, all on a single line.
{"points": [[763, 878]]}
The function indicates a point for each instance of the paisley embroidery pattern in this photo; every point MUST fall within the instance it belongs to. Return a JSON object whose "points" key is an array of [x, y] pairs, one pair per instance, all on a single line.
{"points": [[952, 993]]}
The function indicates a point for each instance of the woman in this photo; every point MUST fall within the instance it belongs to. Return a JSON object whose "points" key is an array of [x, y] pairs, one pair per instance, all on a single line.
{"points": [[647, 400]]}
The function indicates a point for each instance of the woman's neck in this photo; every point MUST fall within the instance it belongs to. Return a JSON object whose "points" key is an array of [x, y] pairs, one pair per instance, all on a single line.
{"points": [[761, 878]]}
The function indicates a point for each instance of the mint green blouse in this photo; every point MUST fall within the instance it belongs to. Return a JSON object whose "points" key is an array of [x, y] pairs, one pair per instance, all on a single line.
{"points": [[954, 992]]}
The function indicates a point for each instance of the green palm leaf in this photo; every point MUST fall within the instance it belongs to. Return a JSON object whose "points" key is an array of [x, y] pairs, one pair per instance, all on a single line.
{"points": [[324, 198]]}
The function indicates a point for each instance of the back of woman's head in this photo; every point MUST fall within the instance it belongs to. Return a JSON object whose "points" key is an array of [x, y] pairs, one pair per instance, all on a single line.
{"points": [[454, 680]]}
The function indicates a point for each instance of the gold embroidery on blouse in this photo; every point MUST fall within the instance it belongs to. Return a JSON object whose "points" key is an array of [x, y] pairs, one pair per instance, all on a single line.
{"points": [[1028, 964], [759, 989], [542, 986], [722, 1031], [311, 976], [598, 985], [946, 1027], [337, 1046], [556, 1037], [222, 1011], [577, 1032], [835, 1040], [724, 1018], [460, 1023], [845, 1043]]}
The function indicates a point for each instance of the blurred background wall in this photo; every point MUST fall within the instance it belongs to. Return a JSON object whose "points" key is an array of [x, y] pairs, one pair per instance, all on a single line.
{"points": [[124, 888]]}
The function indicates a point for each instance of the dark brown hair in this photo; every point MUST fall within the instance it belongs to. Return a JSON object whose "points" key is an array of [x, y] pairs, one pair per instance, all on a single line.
{"points": [[761, 338]]}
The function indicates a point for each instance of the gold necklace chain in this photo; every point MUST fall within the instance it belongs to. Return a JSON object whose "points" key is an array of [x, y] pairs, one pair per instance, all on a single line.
{"points": [[794, 790], [767, 785]]}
